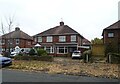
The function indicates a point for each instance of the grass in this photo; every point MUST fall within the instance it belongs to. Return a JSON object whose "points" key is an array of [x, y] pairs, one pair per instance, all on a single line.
{"points": [[71, 68]]}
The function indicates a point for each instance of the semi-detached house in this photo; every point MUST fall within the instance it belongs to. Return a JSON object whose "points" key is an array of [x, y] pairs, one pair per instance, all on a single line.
{"points": [[59, 40], [16, 38]]}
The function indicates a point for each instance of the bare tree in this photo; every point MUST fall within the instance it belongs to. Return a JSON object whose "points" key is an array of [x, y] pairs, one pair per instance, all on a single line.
{"points": [[2, 28], [10, 21], [7, 26]]}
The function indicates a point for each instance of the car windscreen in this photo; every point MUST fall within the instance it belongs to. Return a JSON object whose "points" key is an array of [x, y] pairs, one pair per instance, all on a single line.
{"points": [[76, 52]]}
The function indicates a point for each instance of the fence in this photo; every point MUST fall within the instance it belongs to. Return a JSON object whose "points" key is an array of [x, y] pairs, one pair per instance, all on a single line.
{"points": [[98, 50]]}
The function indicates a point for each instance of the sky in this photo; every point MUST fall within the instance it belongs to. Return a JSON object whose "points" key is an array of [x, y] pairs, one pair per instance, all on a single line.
{"points": [[87, 17]]}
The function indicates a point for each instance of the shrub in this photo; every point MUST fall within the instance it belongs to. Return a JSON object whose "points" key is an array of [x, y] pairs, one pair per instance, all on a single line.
{"points": [[38, 58], [115, 58], [32, 52], [85, 54], [41, 52]]}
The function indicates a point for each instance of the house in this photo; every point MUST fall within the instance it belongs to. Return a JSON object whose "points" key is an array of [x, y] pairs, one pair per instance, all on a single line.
{"points": [[59, 40], [111, 37], [16, 38]]}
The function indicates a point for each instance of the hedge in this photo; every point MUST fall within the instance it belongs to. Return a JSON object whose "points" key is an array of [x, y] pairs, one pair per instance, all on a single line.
{"points": [[85, 54], [113, 58], [38, 58]]}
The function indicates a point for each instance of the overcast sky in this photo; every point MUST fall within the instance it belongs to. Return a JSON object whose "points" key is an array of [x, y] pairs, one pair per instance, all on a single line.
{"points": [[88, 17]]}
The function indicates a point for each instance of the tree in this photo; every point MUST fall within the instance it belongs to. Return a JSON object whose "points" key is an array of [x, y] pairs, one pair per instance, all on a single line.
{"points": [[6, 27], [9, 25], [97, 41]]}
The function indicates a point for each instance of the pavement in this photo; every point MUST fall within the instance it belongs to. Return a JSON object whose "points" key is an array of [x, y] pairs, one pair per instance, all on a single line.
{"points": [[22, 76]]}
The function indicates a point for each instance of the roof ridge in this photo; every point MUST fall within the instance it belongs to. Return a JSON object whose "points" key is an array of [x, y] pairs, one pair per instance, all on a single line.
{"points": [[112, 25]]}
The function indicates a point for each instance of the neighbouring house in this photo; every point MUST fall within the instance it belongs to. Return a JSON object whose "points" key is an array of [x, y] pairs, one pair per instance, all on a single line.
{"points": [[59, 40], [111, 38], [16, 38]]}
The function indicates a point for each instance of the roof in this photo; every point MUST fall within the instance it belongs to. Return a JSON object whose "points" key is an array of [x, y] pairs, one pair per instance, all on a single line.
{"points": [[115, 25], [17, 34], [58, 30], [85, 42]]}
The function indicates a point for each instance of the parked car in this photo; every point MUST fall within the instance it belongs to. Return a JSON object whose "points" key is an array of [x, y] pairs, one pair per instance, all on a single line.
{"points": [[13, 54], [76, 54], [5, 61]]}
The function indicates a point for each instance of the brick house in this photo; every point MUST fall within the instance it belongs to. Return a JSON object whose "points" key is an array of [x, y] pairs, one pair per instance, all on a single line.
{"points": [[59, 40], [16, 38], [111, 37]]}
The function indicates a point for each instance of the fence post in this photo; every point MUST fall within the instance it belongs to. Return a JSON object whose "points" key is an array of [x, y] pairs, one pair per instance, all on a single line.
{"points": [[109, 58], [87, 58]]}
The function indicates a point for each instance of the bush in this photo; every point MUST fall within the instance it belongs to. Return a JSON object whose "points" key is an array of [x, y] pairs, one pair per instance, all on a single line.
{"points": [[32, 52], [41, 52], [38, 58], [85, 54], [115, 58]]}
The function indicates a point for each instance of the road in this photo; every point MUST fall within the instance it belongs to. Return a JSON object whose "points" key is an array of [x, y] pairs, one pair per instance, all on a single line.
{"points": [[22, 76]]}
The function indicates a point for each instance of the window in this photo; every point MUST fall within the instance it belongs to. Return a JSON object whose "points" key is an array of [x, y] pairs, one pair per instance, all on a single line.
{"points": [[39, 39], [49, 39], [3, 42], [49, 49], [62, 38], [35, 39], [17, 41], [62, 50], [28, 43], [0, 42], [110, 34], [73, 38]]}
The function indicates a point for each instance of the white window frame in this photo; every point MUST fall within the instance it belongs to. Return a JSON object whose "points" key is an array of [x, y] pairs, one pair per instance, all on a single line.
{"points": [[0, 41], [49, 39], [62, 38], [73, 38], [17, 41], [49, 48], [35, 39], [110, 34], [3, 41], [64, 50], [28, 43], [39, 39]]}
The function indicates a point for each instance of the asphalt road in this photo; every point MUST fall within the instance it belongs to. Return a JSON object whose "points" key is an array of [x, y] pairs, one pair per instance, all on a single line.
{"points": [[21, 76]]}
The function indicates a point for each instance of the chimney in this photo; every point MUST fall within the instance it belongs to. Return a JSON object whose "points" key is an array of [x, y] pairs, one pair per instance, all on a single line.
{"points": [[61, 23], [17, 29]]}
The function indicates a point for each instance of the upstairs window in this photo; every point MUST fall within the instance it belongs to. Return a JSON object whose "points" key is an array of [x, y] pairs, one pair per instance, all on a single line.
{"points": [[73, 38], [49, 39], [17, 41], [35, 39], [110, 35], [62, 38], [28, 43], [39, 39], [0, 42]]}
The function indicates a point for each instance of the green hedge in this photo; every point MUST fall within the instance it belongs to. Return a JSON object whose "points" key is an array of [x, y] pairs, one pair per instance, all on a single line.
{"points": [[115, 58], [38, 58], [85, 54]]}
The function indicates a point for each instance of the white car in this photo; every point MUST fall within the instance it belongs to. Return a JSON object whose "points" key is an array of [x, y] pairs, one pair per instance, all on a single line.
{"points": [[13, 54], [76, 54]]}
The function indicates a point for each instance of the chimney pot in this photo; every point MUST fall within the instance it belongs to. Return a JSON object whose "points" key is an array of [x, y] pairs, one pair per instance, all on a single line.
{"points": [[17, 29], [61, 23]]}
